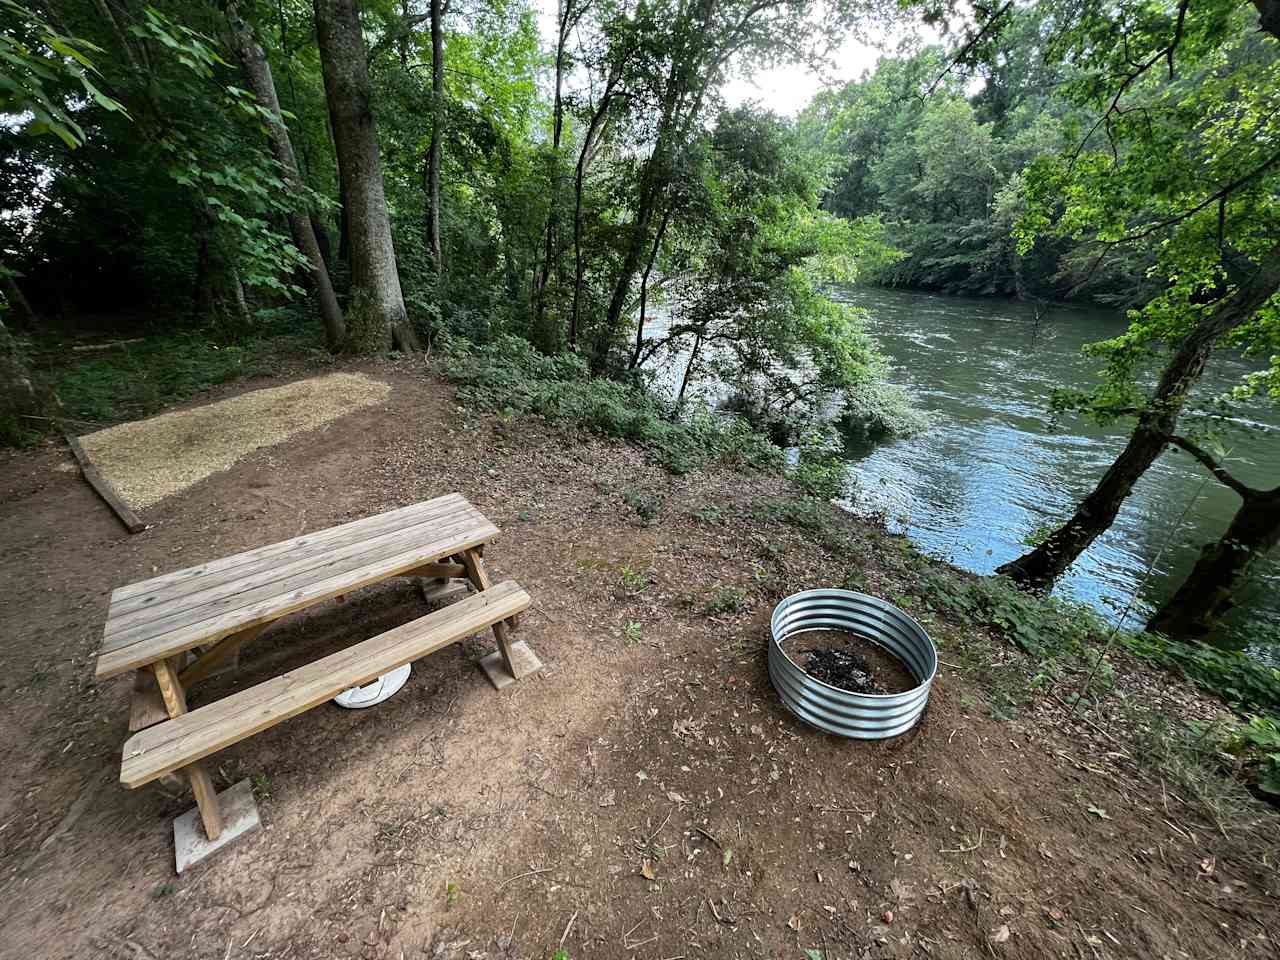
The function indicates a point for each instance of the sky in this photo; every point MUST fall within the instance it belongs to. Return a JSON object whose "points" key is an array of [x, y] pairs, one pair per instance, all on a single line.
{"points": [[783, 90]]}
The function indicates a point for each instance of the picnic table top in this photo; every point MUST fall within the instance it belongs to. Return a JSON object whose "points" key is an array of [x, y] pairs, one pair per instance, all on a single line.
{"points": [[166, 615]]}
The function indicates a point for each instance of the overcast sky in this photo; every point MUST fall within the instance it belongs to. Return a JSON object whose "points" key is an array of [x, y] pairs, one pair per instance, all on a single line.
{"points": [[785, 90]]}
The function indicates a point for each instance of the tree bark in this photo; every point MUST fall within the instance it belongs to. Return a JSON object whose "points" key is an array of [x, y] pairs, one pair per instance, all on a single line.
{"points": [[432, 224], [376, 314], [1157, 422], [548, 338], [258, 70], [579, 175], [644, 288], [1210, 589]]}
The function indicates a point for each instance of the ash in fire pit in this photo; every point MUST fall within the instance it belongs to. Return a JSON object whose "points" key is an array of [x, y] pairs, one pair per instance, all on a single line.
{"points": [[848, 661], [841, 668]]}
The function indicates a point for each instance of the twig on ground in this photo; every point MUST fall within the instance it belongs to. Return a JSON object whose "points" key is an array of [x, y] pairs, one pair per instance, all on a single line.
{"points": [[521, 876], [567, 927]]}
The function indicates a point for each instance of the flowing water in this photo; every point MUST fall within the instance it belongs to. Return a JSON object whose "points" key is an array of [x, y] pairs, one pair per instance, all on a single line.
{"points": [[994, 468]]}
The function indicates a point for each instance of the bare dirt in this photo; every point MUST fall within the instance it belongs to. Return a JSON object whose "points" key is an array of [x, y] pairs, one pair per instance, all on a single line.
{"points": [[644, 796], [148, 460]]}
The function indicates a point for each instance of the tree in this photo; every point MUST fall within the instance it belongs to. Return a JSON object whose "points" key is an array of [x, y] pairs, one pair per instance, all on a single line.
{"points": [[1180, 158], [36, 60], [376, 315], [438, 11], [258, 71], [1209, 591], [682, 53]]}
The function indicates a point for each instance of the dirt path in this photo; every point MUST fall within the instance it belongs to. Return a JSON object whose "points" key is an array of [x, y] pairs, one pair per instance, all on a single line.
{"points": [[645, 796]]}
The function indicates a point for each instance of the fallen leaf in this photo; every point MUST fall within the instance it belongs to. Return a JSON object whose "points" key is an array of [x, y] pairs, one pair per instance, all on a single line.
{"points": [[641, 775], [887, 916], [728, 857], [1100, 813], [1056, 915], [675, 797], [646, 871], [609, 799], [1000, 934], [793, 922], [813, 954], [1207, 865]]}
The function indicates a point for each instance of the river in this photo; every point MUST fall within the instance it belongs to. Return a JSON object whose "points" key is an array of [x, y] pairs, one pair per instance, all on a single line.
{"points": [[994, 467]]}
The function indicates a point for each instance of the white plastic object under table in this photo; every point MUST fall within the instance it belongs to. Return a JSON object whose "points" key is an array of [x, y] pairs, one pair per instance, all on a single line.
{"points": [[374, 692]]}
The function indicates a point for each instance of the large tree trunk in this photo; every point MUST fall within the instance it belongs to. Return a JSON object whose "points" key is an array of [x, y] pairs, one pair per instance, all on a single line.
{"points": [[376, 314], [432, 225], [1210, 589], [1157, 422], [258, 70]]}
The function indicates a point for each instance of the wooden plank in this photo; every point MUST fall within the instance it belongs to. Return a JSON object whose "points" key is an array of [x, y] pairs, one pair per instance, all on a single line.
{"points": [[184, 583], [218, 654], [263, 606], [104, 488], [444, 571], [146, 707], [179, 742], [480, 580], [164, 613], [295, 546], [175, 702]]}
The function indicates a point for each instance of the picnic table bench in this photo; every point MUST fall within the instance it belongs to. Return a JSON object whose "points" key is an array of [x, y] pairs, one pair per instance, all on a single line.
{"points": [[205, 614]]}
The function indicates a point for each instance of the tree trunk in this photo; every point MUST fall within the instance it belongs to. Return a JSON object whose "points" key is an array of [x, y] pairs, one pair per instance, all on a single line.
{"points": [[258, 70], [579, 175], [432, 225], [376, 315], [548, 338], [1209, 590], [652, 183], [1157, 422], [644, 288]]}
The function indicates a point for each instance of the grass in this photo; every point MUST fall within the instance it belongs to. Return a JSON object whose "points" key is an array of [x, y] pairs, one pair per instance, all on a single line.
{"points": [[727, 600], [632, 580], [137, 380]]}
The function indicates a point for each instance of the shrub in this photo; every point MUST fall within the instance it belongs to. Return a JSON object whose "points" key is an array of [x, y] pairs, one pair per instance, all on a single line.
{"points": [[510, 376]]}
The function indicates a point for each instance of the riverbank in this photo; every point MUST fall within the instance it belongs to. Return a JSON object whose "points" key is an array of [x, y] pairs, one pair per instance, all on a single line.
{"points": [[646, 796]]}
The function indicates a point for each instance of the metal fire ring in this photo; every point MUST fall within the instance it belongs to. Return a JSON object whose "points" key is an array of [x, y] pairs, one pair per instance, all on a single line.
{"points": [[861, 715]]}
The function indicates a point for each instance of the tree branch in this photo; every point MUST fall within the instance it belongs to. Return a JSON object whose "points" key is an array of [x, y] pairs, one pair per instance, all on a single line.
{"points": [[973, 42], [1212, 465]]}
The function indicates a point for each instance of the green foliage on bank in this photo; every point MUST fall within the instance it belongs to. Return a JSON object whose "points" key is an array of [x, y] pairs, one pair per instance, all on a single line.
{"points": [[509, 376]]}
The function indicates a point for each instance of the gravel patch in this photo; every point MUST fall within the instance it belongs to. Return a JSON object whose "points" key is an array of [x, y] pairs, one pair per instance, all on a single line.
{"points": [[148, 460]]}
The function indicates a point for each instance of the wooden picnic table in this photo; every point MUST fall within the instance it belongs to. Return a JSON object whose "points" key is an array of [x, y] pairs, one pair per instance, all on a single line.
{"points": [[180, 627]]}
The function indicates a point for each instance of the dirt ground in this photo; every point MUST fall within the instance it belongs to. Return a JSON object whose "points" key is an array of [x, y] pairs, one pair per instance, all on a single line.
{"points": [[644, 796]]}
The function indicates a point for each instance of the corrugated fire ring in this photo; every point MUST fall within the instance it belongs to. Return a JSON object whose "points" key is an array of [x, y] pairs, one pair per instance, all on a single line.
{"points": [[860, 715]]}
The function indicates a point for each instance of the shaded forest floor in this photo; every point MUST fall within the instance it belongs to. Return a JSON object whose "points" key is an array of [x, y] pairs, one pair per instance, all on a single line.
{"points": [[644, 796]]}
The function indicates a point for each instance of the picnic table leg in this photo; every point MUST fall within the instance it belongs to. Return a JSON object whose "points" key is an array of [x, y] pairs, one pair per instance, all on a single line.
{"points": [[175, 701], [479, 578]]}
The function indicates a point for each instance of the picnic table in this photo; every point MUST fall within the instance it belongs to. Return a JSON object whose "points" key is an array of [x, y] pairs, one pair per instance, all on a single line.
{"points": [[177, 629]]}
